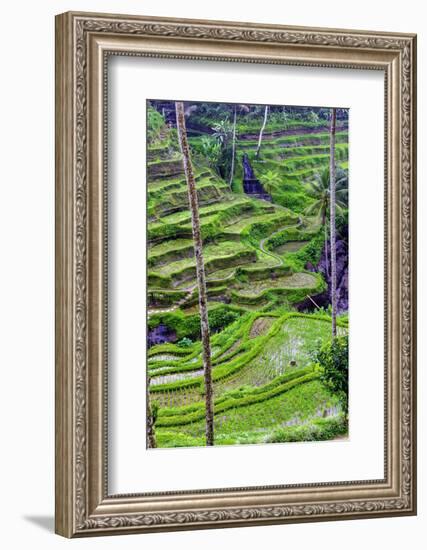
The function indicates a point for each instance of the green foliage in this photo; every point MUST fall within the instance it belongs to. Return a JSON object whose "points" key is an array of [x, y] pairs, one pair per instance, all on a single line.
{"points": [[155, 122], [257, 422], [320, 189], [221, 317], [332, 356], [185, 343], [154, 409], [312, 251], [270, 180], [250, 351], [211, 149], [288, 234], [319, 429], [226, 403], [188, 326]]}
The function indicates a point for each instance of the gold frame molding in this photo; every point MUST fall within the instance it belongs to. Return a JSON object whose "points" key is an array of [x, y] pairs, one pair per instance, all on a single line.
{"points": [[83, 43]]}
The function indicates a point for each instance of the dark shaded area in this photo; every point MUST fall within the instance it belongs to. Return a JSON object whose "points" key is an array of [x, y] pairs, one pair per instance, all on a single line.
{"points": [[160, 335], [324, 299]]}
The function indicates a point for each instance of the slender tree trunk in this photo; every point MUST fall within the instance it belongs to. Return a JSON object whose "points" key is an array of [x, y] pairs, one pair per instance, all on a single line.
{"points": [[200, 269], [261, 131], [326, 244], [233, 149], [333, 228], [151, 419]]}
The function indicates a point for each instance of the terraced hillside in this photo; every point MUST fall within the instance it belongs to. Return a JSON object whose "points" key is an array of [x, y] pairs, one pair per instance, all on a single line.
{"points": [[256, 250]]}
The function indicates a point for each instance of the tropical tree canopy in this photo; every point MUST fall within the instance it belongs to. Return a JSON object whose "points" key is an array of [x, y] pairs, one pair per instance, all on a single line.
{"points": [[320, 191], [270, 180]]}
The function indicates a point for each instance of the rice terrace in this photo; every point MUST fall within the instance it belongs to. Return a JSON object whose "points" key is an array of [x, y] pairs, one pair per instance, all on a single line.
{"points": [[247, 270]]}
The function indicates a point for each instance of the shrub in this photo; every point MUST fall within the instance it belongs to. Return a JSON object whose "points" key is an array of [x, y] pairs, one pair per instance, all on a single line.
{"points": [[319, 429], [185, 343], [221, 317], [155, 123], [332, 356]]}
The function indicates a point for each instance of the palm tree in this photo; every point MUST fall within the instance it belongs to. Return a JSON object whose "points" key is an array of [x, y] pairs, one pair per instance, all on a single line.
{"points": [[233, 148], [223, 131], [313, 117], [242, 108], [211, 150], [285, 117], [270, 180], [200, 268], [261, 132], [320, 191], [332, 170]]}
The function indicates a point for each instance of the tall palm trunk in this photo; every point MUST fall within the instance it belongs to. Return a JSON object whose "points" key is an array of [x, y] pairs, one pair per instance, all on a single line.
{"points": [[200, 269], [326, 244], [261, 131], [333, 228], [233, 149]]}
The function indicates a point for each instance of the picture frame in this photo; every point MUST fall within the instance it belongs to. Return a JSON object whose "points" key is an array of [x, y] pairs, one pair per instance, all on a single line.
{"points": [[84, 505]]}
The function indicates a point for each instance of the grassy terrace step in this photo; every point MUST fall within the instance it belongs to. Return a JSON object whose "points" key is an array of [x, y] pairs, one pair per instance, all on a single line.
{"points": [[186, 298], [172, 203], [290, 246], [213, 218], [223, 342], [265, 267], [291, 343], [297, 130], [170, 251], [164, 169], [307, 412], [262, 222], [193, 413], [295, 140], [204, 187], [250, 352], [160, 298], [224, 346], [301, 153], [160, 152], [179, 193], [307, 281], [215, 257], [236, 202], [164, 185], [295, 164]]}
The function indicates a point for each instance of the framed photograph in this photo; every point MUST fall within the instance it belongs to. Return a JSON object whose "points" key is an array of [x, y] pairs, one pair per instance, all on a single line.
{"points": [[235, 274]]}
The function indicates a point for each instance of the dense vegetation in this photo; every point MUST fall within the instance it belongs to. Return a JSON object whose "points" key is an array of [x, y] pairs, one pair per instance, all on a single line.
{"points": [[277, 374]]}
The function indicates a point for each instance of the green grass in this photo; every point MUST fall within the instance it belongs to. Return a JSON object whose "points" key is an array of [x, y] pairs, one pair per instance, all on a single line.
{"points": [[257, 360], [296, 280], [259, 422], [297, 139]]}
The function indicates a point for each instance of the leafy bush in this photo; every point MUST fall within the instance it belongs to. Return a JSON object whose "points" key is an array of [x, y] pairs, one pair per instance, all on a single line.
{"points": [[221, 317], [319, 429], [185, 343], [332, 356], [187, 327], [155, 123]]}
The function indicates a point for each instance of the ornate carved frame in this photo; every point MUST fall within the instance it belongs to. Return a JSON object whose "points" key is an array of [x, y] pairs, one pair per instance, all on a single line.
{"points": [[83, 43]]}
